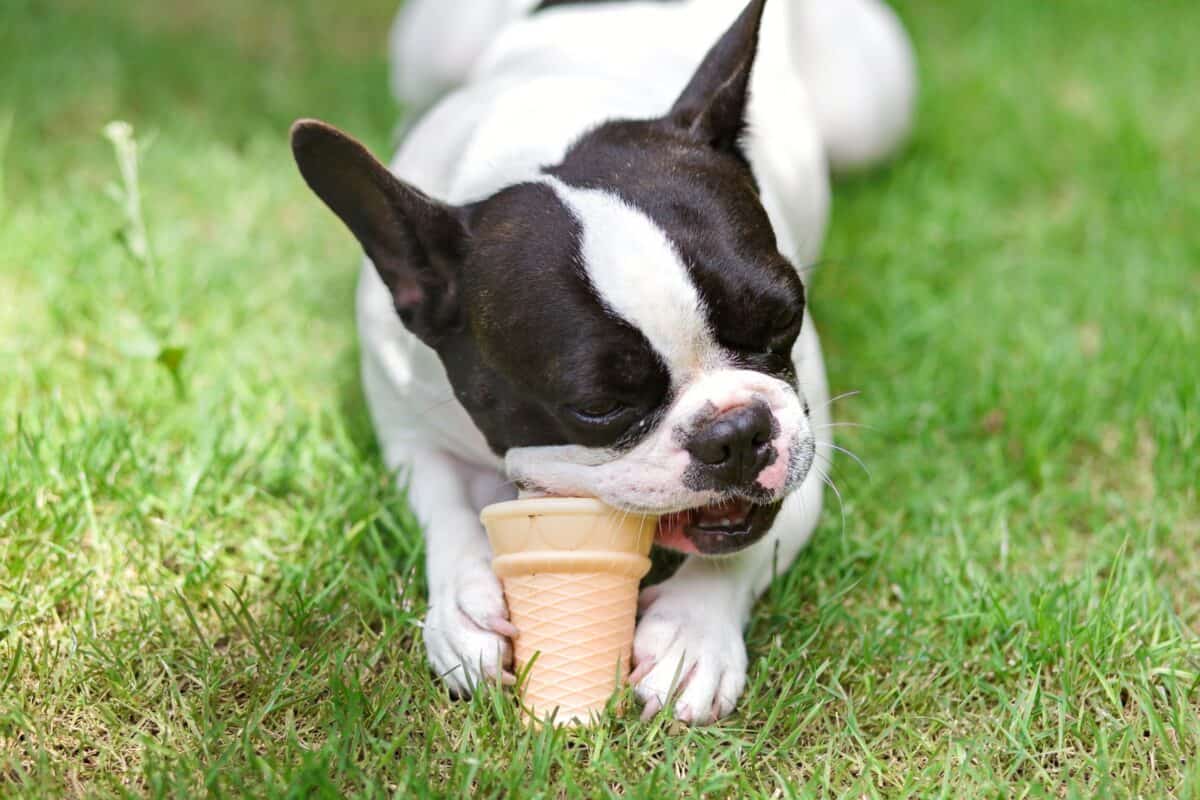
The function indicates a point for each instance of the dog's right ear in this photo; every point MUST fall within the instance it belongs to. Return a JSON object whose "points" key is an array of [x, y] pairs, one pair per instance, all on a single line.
{"points": [[713, 106], [416, 243]]}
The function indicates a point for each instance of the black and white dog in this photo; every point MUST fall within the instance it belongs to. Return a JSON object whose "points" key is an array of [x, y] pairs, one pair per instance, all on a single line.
{"points": [[583, 278]]}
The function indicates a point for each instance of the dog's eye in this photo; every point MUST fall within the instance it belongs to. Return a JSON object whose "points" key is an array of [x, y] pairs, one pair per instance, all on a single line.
{"points": [[599, 412], [784, 331]]}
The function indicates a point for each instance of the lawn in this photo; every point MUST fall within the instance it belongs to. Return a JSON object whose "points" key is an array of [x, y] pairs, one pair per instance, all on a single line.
{"points": [[209, 584]]}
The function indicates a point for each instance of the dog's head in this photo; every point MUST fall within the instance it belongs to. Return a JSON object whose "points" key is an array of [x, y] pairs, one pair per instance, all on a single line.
{"points": [[622, 325]]}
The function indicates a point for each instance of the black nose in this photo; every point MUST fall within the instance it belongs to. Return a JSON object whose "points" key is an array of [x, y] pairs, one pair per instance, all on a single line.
{"points": [[735, 447]]}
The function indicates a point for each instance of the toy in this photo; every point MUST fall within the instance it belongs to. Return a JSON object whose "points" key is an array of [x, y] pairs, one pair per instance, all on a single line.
{"points": [[570, 569]]}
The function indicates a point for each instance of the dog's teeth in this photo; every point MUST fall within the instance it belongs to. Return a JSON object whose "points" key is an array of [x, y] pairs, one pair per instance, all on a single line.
{"points": [[719, 524]]}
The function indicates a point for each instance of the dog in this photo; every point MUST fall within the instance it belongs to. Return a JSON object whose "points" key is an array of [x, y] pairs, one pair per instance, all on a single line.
{"points": [[584, 277]]}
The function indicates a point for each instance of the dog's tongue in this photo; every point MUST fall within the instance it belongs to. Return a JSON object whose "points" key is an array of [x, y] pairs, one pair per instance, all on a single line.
{"points": [[672, 532]]}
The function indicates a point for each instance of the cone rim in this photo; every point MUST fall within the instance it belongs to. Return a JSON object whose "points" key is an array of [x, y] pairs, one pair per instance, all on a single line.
{"points": [[548, 507]]}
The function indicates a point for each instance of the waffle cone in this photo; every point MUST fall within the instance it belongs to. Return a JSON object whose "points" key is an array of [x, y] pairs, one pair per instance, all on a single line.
{"points": [[570, 570]]}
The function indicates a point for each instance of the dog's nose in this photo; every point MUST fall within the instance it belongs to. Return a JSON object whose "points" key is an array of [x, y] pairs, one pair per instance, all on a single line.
{"points": [[735, 447]]}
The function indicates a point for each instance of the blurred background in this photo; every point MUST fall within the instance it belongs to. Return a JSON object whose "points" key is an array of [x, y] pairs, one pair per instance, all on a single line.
{"points": [[208, 583]]}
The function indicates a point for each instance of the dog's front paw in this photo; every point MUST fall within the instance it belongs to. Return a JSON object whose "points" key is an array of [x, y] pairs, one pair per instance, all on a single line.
{"points": [[467, 631], [688, 648]]}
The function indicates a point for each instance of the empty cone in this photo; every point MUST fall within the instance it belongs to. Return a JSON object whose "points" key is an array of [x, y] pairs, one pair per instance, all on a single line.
{"points": [[570, 569]]}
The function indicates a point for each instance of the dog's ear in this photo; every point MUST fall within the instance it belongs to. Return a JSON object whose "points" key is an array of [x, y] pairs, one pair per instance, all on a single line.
{"points": [[713, 106], [416, 243]]}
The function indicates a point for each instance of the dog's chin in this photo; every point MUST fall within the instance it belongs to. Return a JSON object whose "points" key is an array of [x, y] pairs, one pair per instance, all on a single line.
{"points": [[717, 529]]}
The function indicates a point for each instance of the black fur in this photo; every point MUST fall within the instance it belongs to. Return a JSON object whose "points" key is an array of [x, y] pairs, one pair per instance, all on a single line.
{"points": [[415, 242], [556, 348], [498, 288], [708, 205], [687, 172]]}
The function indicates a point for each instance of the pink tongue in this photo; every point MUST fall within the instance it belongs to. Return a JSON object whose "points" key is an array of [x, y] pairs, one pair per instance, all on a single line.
{"points": [[670, 534]]}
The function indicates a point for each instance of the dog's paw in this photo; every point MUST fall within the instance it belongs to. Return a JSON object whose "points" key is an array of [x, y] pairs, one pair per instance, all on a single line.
{"points": [[467, 631], [689, 650]]}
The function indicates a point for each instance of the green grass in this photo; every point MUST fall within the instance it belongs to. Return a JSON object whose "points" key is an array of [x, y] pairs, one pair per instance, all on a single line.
{"points": [[209, 584]]}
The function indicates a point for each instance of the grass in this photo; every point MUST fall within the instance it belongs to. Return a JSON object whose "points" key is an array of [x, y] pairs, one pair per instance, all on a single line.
{"points": [[208, 584]]}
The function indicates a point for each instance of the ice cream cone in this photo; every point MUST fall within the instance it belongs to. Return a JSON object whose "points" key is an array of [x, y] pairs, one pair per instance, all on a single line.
{"points": [[570, 569]]}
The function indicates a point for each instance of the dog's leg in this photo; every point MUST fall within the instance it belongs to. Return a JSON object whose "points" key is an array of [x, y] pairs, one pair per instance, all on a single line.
{"points": [[857, 62], [689, 641], [466, 627]]}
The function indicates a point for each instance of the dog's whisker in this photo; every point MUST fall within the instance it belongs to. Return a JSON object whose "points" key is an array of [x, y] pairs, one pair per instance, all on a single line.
{"points": [[833, 466], [625, 513], [856, 459], [846, 425], [837, 492], [842, 396], [813, 266]]}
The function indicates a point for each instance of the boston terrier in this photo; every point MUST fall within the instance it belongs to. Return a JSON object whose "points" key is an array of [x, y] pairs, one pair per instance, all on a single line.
{"points": [[585, 277]]}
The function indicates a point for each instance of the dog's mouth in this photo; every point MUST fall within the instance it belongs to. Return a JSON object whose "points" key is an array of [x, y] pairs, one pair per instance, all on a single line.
{"points": [[716, 529]]}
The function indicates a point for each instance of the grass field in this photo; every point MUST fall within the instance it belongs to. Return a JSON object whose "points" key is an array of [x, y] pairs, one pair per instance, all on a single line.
{"points": [[209, 585]]}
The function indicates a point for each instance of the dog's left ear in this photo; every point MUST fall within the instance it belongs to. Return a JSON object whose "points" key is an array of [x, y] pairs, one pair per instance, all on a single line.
{"points": [[417, 244], [713, 106]]}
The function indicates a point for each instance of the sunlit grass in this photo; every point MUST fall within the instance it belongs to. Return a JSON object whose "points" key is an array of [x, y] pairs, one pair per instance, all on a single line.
{"points": [[215, 587]]}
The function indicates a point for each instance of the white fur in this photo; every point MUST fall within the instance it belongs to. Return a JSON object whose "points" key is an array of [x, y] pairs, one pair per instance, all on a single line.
{"points": [[435, 44], [648, 478], [834, 80], [640, 277], [689, 640], [862, 95]]}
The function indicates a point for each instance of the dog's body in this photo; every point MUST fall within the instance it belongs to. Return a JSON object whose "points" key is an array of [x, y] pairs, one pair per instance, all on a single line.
{"points": [[617, 318]]}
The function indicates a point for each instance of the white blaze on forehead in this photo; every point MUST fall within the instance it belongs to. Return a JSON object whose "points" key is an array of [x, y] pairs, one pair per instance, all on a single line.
{"points": [[640, 277]]}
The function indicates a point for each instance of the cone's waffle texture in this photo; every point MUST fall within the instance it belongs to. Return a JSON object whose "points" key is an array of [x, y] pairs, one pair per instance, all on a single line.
{"points": [[570, 570], [581, 628]]}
